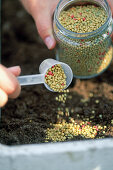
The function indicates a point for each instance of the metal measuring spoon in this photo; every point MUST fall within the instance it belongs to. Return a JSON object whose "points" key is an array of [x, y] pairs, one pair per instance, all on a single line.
{"points": [[43, 68]]}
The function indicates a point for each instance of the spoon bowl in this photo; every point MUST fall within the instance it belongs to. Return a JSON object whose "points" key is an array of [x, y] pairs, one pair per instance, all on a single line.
{"points": [[43, 68]]}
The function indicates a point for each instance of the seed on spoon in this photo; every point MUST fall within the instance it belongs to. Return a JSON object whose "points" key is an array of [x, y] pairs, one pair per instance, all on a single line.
{"points": [[55, 78]]}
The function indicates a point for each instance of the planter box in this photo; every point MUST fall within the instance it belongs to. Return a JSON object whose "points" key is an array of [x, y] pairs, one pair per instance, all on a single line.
{"points": [[78, 155]]}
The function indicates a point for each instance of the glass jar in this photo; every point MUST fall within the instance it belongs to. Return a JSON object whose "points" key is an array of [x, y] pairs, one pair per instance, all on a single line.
{"points": [[88, 54]]}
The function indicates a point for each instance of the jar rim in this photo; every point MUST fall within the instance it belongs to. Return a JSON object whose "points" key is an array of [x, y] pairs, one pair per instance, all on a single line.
{"points": [[82, 35]]}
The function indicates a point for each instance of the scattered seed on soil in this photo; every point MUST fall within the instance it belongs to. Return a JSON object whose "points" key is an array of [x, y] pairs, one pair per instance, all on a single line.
{"points": [[64, 131], [93, 111], [100, 116], [96, 101], [84, 100], [91, 95]]}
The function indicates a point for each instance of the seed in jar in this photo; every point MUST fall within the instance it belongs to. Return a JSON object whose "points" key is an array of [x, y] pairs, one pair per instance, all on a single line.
{"points": [[91, 16], [88, 57]]}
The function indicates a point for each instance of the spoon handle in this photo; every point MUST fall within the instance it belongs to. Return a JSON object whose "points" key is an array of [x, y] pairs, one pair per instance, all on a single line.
{"points": [[31, 79]]}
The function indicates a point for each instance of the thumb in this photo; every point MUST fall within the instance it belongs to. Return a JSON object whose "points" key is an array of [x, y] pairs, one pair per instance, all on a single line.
{"points": [[15, 70], [8, 82], [43, 20]]}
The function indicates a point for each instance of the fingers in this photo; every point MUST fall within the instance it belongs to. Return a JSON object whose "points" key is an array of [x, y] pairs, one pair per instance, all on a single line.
{"points": [[44, 26], [9, 83], [43, 20], [3, 98], [15, 70], [42, 12]]}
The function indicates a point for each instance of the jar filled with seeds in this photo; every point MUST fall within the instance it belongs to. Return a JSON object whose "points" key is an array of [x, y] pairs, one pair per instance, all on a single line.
{"points": [[83, 32]]}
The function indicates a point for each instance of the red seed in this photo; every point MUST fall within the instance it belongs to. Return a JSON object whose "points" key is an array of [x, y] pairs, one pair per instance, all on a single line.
{"points": [[98, 62], [88, 123], [62, 84], [80, 13], [84, 19], [103, 53], [49, 73], [45, 75], [83, 125], [53, 66], [78, 61], [72, 16], [74, 19], [66, 49], [52, 74], [100, 58]]}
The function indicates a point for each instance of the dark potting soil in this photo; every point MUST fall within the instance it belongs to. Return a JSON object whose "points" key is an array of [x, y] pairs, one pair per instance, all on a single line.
{"points": [[26, 119]]}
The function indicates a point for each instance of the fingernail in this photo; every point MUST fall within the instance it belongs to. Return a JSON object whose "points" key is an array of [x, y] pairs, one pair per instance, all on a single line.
{"points": [[49, 42]]}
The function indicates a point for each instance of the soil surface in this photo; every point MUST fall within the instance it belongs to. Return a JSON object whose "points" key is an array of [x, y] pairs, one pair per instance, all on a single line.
{"points": [[26, 119]]}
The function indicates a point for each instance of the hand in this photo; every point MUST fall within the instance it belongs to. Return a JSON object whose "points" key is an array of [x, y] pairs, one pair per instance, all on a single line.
{"points": [[9, 86], [42, 12]]}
